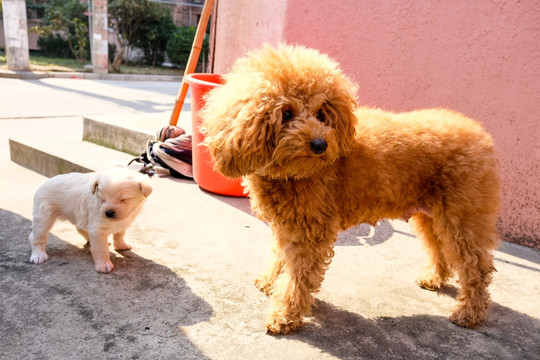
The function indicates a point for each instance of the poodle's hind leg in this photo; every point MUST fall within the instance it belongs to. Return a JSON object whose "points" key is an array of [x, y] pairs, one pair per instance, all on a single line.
{"points": [[436, 272], [265, 281], [467, 244], [304, 264]]}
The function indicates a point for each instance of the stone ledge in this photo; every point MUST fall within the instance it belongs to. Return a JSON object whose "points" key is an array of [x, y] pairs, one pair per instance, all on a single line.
{"points": [[42, 162], [50, 155], [28, 75]]}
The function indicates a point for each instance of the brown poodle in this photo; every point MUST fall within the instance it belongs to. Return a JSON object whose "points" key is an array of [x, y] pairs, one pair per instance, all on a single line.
{"points": [[314, 164]]}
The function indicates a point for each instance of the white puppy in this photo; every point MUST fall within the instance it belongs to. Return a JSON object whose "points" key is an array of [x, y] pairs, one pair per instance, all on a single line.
{"points": [[98, 204]]}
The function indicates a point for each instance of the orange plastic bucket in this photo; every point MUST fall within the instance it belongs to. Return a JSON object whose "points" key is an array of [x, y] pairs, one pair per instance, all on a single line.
{"points": [[203, 166]]}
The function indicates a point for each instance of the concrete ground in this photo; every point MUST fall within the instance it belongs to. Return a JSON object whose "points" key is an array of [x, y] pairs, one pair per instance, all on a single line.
{"points": [[185, 290]]}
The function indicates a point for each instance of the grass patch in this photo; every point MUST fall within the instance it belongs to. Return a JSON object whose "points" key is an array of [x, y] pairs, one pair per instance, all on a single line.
{"points": [[44, 63]]}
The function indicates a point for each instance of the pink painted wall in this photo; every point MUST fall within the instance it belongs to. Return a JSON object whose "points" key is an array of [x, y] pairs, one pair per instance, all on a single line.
{"points": [[481, 58], [245, 25]]}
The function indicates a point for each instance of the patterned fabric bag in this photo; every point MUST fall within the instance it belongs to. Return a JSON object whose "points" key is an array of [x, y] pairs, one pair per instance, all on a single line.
{"points": [[170, 154]]}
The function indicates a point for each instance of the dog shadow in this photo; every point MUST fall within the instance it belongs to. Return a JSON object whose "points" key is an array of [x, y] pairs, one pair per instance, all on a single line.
{"points": [[365, 234], [507, 334], [137, 311]]}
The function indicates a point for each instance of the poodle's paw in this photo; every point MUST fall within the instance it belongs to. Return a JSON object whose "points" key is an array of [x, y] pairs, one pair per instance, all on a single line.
{"points": [[264, 284], [283, 325], [463, 319], [468, 316], [432, 283], [38, 256], [104, 267]]}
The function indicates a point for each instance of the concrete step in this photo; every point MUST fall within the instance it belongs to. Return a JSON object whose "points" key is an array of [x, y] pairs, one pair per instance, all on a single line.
{"points": [[129, 132], [42, 161], [56, 146]]}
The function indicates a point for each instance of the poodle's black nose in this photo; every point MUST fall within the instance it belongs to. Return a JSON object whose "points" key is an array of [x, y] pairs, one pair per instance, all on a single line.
{"points": [[109, 213], [318, 146]]}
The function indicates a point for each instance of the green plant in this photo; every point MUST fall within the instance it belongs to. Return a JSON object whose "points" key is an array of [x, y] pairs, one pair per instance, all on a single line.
{"points": [[137, 24], [80, 46], [180, 43], [65, 19], [112, 51], [154, 36], [54, 45]]}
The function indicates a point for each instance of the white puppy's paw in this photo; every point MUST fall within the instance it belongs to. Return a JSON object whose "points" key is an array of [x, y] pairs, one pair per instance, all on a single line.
{"points": [[38, 256], [120, 246], [104, 267]]}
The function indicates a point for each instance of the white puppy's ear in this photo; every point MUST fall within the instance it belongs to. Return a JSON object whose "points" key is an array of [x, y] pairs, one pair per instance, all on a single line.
{"points": [[95, 185], [146, 187]]}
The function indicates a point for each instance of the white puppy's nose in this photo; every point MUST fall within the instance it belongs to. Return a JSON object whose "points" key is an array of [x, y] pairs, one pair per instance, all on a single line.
{"points": [[109, 213]]}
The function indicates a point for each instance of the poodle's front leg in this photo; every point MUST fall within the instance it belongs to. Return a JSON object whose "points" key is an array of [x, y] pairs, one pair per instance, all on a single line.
{"points": [[265, 282], [304, 264]]}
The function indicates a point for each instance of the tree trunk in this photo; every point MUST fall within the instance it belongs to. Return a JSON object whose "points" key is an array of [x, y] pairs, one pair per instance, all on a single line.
{"points": [[120, 54], [118, 58]]}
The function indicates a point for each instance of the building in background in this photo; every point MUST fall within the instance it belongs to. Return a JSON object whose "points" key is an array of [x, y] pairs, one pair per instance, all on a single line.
{"points": [[184, 13]]}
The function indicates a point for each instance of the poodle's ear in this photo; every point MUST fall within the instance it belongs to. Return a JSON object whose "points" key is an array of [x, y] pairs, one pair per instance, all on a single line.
{"points": [[237, 133], [344, 106]]}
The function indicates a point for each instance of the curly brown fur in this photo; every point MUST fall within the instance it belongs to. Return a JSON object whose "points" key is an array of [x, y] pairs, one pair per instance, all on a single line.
{"points": [[315, 164]]}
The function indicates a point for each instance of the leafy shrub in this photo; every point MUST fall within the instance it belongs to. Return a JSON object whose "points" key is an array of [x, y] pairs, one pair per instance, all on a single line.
{"points": [[63, 19], [140, 24], [54, 46], [179, 45], [112, 51], [154, 36]]}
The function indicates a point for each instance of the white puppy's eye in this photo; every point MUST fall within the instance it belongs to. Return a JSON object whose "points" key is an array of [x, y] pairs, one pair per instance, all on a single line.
{"points": [[123, 200]]}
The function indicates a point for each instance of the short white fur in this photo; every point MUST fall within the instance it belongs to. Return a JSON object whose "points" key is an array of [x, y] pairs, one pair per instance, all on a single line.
{"points": [[98, 204]]}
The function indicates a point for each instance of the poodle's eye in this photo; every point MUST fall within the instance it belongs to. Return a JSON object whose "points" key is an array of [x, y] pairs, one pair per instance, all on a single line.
{"points": [[320, 116], [287, 115]]}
